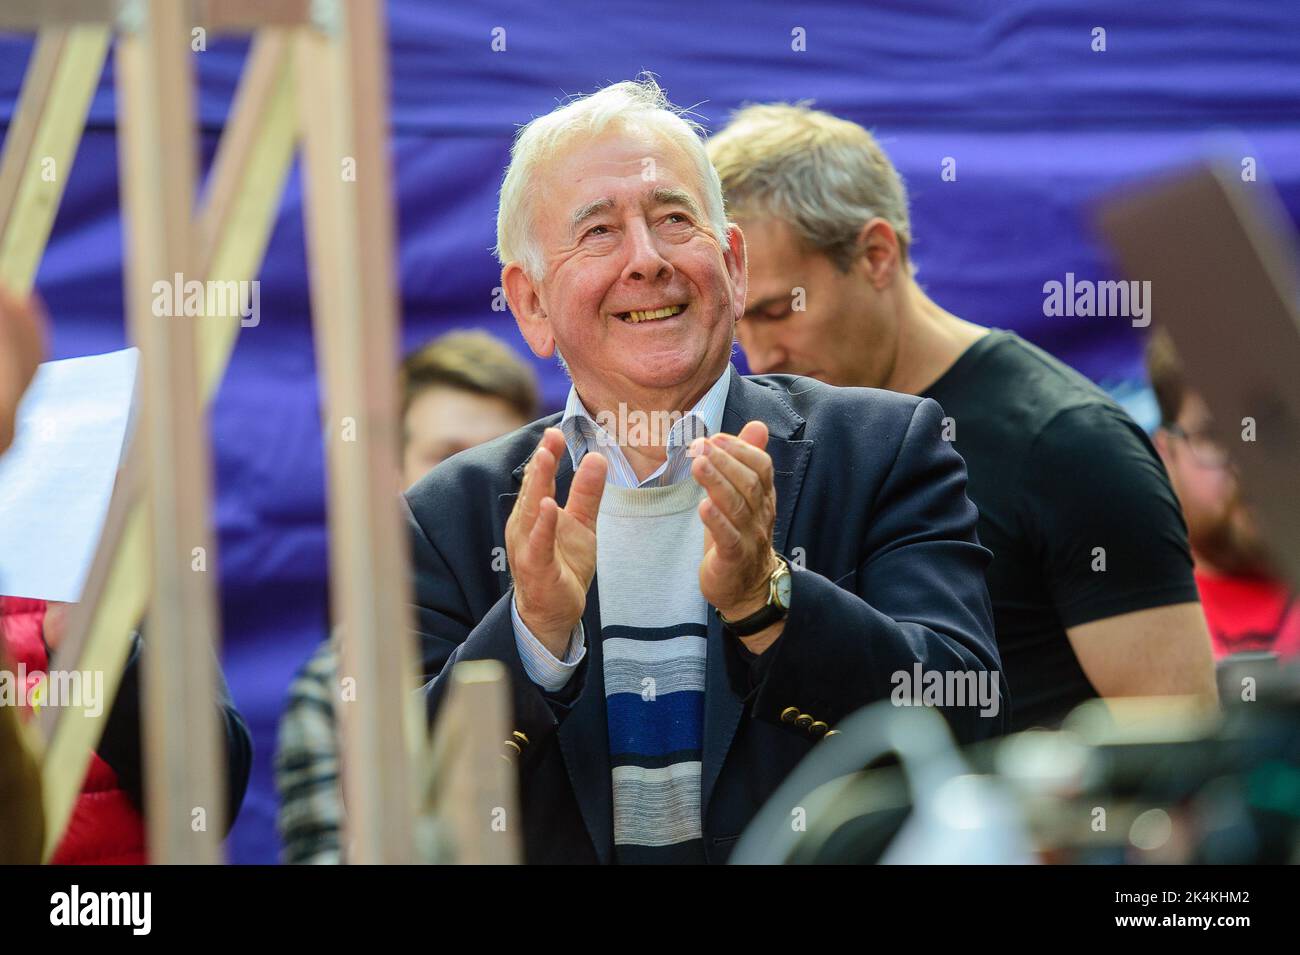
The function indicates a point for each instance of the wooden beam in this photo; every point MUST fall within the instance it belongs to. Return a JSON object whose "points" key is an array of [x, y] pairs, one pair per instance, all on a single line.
{"points": [[241, 16], [234, 227], [184, 795], [217, 16], [245, 186], [28, 16], [342, 81], [22, 823], [470, 811], [41, 144], [97, 640]]}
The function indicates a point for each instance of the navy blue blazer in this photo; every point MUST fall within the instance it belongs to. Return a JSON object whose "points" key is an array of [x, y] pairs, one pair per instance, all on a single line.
{"points": [[870, 500]]}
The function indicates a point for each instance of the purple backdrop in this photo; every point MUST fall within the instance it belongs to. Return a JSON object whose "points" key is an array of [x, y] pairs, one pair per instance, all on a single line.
{"points": [[1038, 122]]}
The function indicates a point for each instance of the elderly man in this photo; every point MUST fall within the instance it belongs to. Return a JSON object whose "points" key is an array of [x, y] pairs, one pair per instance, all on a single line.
{"points": [[1091, 578], [668, 668]]}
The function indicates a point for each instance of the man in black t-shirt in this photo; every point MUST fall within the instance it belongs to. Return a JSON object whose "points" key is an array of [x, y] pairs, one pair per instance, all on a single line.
{"points": [[1075, 506], [1091, 578]]}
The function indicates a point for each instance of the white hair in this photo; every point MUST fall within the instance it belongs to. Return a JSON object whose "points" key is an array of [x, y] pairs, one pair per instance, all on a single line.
{"points": [[632, 102]]}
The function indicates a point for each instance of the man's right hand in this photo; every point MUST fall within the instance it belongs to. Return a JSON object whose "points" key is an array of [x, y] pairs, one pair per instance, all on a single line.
{"points": [[22, 343], [552, 550]]}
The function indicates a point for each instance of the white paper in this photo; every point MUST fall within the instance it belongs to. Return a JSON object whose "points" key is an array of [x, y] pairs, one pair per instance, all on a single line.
{"points": [[57, 478]]}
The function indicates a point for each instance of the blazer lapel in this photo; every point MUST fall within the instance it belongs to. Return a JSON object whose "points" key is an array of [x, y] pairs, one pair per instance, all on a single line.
{"points": [[583, 734], [723, 703], [584, 740]]}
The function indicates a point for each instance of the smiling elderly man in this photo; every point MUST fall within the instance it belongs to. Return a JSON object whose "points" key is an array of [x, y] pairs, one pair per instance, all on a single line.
{"points": [[668, 668]]}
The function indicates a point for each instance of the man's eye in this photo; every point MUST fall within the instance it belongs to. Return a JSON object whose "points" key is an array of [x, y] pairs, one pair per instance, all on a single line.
{"points": [[680, 217], [597, 230]]}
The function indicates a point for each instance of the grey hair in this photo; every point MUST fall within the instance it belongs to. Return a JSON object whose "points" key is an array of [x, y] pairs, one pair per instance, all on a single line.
{"points": [[640, 102], [824, 176]]}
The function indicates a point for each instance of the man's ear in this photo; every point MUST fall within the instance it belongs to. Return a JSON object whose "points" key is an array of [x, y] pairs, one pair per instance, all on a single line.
{"points": [[734, 256], [526, 304], [881, 257]]}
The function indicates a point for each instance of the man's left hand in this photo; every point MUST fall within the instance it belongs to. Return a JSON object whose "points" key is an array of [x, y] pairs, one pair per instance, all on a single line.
{"points": [[738, 515]]}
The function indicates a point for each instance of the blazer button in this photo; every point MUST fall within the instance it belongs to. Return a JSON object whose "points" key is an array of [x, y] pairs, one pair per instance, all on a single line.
{"points": [[803, 721], [512, 745], [519, 737], [818, 728], [789, 714], [830, 733]]}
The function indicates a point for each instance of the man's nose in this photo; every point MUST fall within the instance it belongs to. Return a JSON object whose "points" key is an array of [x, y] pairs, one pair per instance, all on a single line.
{"points": [[644, 260]]}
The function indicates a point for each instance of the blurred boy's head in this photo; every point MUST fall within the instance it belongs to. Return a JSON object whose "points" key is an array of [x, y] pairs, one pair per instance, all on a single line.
{"points": [[458, 391], [1220, 527]]}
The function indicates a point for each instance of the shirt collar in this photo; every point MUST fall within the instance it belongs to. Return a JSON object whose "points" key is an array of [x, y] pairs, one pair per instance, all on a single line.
{"points": [[582, 432]]}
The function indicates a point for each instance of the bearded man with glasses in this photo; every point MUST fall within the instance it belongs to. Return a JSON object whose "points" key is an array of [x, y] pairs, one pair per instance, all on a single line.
{"points": [[1247, 606]]}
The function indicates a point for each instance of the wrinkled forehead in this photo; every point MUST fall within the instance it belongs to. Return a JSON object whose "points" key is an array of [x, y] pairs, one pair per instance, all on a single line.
{"points": [[626, 164]]}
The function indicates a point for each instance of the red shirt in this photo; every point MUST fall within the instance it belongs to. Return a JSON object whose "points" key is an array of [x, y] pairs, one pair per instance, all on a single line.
{"points": [[1249, 614], [105, 827]]}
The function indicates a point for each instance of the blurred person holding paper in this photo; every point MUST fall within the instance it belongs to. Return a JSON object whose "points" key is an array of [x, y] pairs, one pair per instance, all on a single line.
{"points": [[106, 825]]}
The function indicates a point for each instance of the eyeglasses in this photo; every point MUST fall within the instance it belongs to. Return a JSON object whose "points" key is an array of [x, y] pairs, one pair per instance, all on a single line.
{"points": [[1207, 452]]}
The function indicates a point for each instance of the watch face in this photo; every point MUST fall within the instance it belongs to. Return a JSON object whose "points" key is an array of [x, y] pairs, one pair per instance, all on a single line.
{"points": [[783, 590]]}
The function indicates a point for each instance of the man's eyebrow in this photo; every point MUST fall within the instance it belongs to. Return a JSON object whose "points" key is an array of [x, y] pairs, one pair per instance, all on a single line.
{"points": [[589, 210], [666, 196], [764, 304]]}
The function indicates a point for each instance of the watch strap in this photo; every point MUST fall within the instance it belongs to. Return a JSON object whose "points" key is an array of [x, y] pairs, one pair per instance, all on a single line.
{"points": [[756, 622], [765, 616]]}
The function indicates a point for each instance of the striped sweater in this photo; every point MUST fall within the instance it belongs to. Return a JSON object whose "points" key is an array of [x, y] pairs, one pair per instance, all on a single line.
{"points": [[653, 641]]}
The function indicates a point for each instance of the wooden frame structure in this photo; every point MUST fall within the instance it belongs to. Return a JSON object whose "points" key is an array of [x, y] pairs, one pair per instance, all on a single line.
{"points": [[156, 547]]}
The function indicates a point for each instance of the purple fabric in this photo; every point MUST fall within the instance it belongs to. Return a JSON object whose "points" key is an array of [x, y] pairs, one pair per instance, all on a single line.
{"points": [[1039, 125]]}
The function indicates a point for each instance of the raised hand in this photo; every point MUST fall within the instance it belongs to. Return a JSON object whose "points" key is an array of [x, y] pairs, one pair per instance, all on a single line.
{"points": [[738, 514], [22, 343], [552, 549]]}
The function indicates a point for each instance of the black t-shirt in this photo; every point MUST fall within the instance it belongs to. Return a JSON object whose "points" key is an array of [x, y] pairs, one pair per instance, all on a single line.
{"points": [[1066, 485]]}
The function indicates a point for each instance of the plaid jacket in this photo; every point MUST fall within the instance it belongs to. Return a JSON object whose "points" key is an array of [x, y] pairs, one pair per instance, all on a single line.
{"points": [[307, 765]]}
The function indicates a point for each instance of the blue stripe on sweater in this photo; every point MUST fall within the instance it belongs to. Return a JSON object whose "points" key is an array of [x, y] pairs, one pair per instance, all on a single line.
{"points": [[655, 727]]}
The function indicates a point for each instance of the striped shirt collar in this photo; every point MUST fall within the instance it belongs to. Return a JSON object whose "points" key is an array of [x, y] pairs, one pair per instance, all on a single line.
{"points": [[583, 433]]}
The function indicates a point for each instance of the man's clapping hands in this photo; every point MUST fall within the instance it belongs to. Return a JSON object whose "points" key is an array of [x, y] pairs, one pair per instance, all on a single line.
{"points": [[552, 549]]}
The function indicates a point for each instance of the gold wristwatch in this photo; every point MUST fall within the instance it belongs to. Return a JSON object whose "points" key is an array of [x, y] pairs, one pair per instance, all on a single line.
{"points": [[776, 608]]}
